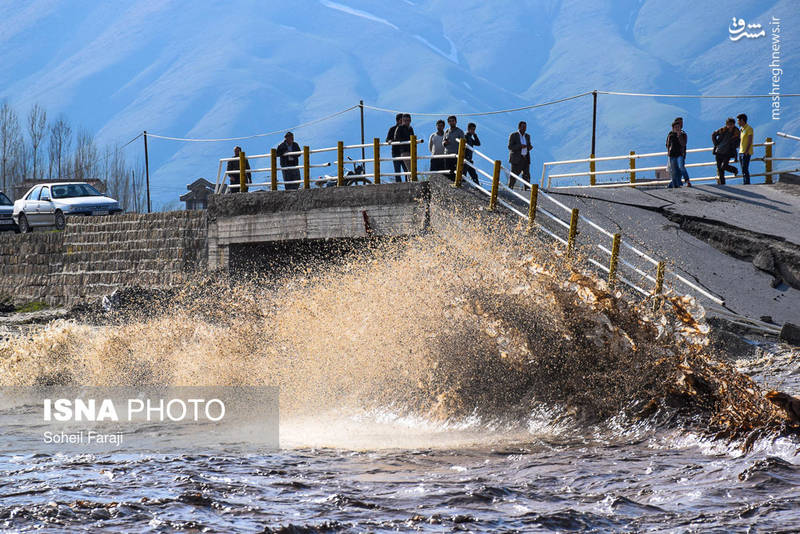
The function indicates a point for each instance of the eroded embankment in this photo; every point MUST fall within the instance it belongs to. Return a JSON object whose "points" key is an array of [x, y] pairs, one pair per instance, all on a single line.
{"points": [[464, 322], [771, 254]]}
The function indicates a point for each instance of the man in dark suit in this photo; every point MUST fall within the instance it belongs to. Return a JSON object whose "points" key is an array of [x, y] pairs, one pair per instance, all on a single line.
{"points": [[397, 150], [289, 147], [519, 154], [233, 168]]}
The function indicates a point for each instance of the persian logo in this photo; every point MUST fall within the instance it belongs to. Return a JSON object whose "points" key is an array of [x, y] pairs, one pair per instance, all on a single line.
{"points": [[738, 27]]}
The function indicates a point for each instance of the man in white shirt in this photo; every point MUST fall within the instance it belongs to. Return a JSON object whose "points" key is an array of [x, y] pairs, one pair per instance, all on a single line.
{"points": [[436, 146]]}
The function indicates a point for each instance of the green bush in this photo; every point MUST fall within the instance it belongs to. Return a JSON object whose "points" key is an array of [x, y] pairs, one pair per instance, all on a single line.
{"points": [[34, 306]]}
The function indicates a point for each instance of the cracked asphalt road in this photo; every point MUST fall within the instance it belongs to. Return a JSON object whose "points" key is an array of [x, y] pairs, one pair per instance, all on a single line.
{"points": [[652, 219]]}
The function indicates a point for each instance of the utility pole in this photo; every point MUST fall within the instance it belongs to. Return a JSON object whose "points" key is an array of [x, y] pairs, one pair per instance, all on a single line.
{"points": [[361, 106], [147, 171], [594, 120]]}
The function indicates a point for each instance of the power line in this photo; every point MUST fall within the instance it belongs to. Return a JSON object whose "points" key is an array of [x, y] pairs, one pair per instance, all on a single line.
{"points": [[197, 140], [691, 96], [496, 112], [132, 140]]}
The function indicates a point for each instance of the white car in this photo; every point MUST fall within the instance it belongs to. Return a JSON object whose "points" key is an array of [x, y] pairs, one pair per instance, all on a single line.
{"points": [[49, 204], [6, 212]]}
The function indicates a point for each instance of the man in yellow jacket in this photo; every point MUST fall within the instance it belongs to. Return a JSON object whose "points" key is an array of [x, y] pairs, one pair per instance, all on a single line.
{"points": [[745, 146]]}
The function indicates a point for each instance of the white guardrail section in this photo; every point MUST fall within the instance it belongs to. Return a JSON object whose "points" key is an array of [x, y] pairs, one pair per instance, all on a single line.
{"points": [[672, 278], [787, 136], [222, 185], [627, 176]]}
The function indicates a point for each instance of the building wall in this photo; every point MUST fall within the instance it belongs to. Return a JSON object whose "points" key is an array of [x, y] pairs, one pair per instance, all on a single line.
{"points": [[94, 255]]}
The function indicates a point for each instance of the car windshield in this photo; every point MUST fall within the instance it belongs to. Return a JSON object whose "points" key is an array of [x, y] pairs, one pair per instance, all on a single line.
{"points": [[4, 200], [75, 190]]}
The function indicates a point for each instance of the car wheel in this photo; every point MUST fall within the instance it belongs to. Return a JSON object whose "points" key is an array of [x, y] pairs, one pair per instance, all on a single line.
{"points": [[61, 221], [24, 227]]}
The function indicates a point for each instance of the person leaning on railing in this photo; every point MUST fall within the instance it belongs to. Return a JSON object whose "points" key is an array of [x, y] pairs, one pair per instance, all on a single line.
{"points": [[726, 141], [233, 168]]}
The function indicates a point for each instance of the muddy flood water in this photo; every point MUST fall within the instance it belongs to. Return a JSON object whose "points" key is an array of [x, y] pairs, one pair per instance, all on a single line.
{"points": [[428, 385]]}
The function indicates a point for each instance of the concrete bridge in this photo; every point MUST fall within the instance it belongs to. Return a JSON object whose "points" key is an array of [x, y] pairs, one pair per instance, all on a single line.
{"points": [[313, 214]]}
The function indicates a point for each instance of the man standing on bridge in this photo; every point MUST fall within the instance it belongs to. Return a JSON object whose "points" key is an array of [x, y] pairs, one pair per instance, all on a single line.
{"points": [[436, 146], [472, 140], [684, 139], [725, 140], [675, 149], [519, 154], [397, 150], [233, 168], [745, 147], [402, 134], [289, 175], [451, 139]]}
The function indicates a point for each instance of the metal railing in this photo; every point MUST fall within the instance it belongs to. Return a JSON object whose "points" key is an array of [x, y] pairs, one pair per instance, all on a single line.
{"points": [[339, 162], [627, 176]]}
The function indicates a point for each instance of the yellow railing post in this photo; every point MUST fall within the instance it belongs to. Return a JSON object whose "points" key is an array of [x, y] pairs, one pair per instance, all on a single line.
{"points": [[462, 150], [413, 158], [242, 172], [340, 160], [495, 185], [573, 231], [306, 167], [768, 161], [633, 167], [592, 168], [273, 162], [532, 206], [612, 267], [376, 159], [659, 278]]}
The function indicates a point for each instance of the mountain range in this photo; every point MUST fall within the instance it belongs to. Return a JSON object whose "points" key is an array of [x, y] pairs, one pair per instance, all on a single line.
{"points": [[211, 70]]}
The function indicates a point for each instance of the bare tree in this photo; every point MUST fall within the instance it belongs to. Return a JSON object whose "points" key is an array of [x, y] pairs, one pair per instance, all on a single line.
{"points": [[138, 189], [18, 167], [124, 183], [60, 143], [10, 138], [37, 127], [116, 175], [86, 160]]}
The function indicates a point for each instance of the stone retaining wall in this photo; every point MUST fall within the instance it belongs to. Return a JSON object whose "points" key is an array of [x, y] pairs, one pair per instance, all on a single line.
{"points": [[94, 255]]}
